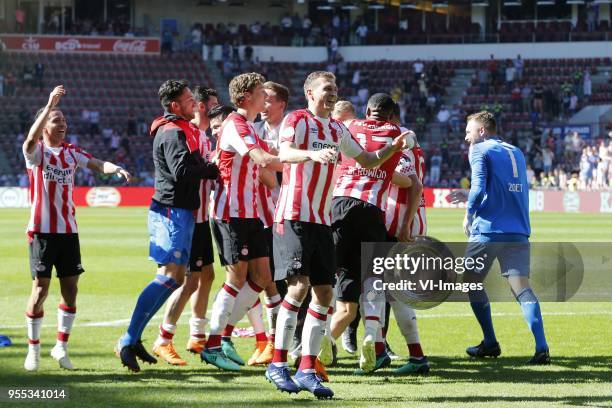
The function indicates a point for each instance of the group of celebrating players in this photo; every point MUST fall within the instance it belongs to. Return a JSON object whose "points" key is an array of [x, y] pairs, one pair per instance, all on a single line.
{"points": [[288, 200]]}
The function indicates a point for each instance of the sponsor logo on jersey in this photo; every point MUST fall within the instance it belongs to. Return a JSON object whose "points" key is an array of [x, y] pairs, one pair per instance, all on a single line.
{"points": [[372, 173]]}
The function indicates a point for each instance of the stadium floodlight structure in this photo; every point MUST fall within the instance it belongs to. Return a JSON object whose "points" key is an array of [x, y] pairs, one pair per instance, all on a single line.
{"points": [[545, 3], [602, 2], [512, 3], [575, 2], [407, 5], [376, 6], [480, 3]]}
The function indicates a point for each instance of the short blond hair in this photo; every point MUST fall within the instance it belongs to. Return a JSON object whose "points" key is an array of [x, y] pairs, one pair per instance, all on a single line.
{"points": [[313, 76], [243, 83], [344, 107], [486, 119]]}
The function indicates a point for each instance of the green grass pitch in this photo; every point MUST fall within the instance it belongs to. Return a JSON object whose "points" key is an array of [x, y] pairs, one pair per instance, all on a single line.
{"points": [[114, 249]]}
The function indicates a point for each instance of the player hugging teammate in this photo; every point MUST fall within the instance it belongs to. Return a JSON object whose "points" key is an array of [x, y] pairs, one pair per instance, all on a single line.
{"points": [[288, 201]]}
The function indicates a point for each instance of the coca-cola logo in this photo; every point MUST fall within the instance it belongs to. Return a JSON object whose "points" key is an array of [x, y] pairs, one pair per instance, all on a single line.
{"points": [[68, 45], [30, 44], [130, 46]]}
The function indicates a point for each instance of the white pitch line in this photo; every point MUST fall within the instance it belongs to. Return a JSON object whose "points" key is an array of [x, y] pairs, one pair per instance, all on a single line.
{"points": [[109, 323], [503, 314], [122, 322]]}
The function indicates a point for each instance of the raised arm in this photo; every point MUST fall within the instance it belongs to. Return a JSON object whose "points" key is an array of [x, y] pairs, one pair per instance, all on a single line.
{"points": [[35, 132], [374, 159]]}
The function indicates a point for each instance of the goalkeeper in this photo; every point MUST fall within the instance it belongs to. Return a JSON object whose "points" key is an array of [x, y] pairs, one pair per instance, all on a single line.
{"points": [[497, 225]]}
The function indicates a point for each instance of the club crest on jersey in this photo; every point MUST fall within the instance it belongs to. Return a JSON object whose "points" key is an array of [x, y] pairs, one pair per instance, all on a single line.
{"points": [[69, 160]]}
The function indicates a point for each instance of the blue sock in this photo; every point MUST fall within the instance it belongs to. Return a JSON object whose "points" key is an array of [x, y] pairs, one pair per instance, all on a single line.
{"points": [[533, 316], [150, 300], [482, 309]]}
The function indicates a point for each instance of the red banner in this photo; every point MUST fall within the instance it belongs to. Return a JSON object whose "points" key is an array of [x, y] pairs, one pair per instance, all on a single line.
{"points": [[113, 196], [80, 44], [539, 200]]}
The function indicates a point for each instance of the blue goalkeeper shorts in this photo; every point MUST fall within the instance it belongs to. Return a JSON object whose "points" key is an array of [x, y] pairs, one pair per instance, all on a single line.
{"points": [[170, 234], [511, 250]]}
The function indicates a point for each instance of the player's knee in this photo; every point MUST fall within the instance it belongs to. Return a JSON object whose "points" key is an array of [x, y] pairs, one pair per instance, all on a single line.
{"points": [[207, 276], [527, 296], [261, 276], [40, 289], [322, 295], [71, 302], [237, 274], [351, 311], [190, 285], [298, 290]]}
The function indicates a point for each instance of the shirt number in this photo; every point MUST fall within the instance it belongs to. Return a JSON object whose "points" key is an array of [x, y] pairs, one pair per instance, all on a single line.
{"points": [[513, 161]]}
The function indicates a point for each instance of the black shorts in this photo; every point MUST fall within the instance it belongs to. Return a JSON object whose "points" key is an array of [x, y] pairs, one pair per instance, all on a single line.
{"points": [[269, 243], [354, 222], [239, 239], [306, 249], [60, 250], [201, 247]]}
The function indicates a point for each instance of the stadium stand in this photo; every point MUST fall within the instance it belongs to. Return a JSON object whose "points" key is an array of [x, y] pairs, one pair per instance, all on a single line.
{"points": [[120, 90]]}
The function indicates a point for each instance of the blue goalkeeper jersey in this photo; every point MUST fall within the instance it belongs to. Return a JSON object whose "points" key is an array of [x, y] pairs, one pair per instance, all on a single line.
{"points": [[499, 195]]}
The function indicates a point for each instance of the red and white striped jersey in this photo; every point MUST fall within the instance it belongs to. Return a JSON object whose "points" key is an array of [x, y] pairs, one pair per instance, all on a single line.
{"points": [[265, 198], [270, 135], [412, 162], [397, 198], [267, 134], [306, 189], [51, 172], [418, 159], [205, 147], [236, 188], [369, 185]]}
